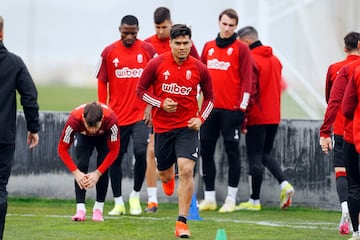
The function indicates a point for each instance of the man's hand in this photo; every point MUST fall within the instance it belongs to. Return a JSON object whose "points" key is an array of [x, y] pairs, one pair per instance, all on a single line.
{"points": [[147, 115], [195, 123], [32, 139], [326, 144], [92, 178], [169, 105], [80, 178]]}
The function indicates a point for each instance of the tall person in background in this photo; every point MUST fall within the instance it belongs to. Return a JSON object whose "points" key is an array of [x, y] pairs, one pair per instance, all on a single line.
{"points": [[174, 77], [14, 77], [231, 68], [263, 120], [334, 121], [122, 64], [351, 110], [161, 42], [93, 125]]}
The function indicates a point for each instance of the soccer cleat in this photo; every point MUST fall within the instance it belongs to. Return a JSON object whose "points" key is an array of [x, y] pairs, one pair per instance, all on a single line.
{"points": [[97, 216], [169, 187], [80, 216], [286, 196], [229, 206], [345, 224], [152, 207], [135, 207], [248, 206], [119, 209], [181, 230], [207, 205], [355, 236]]}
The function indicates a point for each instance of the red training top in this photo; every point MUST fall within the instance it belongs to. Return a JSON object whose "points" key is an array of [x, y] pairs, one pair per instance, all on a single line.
{"points": [[332, 73], [75, 124], [231, 70], [118, 75], [334, 104], [351, 107], [178, 82], [267, 109]]}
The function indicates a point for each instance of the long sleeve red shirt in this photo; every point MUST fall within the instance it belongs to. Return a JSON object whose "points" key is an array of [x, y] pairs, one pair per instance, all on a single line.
{"points": [[118, 75], [351, 107], [75, 124], [231, 70], [178, 82], [267, 109]]}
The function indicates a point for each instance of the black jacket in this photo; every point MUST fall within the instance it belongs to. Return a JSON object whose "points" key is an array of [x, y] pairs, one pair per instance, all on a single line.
{"points": [[14, 76]]}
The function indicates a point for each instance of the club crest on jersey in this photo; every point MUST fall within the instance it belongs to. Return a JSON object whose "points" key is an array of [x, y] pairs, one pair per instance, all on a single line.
{"points": [[116, 62], [140, 58], [166, 74], [229, 51], [188, 74]]}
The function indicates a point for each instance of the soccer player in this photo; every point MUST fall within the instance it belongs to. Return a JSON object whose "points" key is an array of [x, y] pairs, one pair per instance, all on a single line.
{"points": [[174, 77], [93, 125], [263, 121], [14, 77], [122, 64], [231, 68], [351, 110], [161, 42], [334, 121]]}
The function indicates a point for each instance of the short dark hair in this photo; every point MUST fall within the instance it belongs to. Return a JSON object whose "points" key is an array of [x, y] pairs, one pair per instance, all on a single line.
{"points": [[179, 30], [129, 20], [161, 14], [247, 31], [351, 40], [1, 23], [93, 113], [231, 13]]}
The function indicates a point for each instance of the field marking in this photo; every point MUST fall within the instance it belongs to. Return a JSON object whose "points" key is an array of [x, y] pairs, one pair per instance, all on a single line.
{"points": [[297, 225]]}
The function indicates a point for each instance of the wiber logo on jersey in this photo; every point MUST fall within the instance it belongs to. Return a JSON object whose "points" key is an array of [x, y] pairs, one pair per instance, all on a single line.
{"points": [[126, 72], [173, 88], [217, 64]]}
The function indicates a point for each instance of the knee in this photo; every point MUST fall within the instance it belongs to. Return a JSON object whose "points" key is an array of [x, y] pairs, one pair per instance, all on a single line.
{"points": [[256, 169]]}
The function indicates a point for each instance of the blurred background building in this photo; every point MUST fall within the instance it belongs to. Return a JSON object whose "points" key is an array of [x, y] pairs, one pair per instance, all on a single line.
{"points": [[61, 41]]}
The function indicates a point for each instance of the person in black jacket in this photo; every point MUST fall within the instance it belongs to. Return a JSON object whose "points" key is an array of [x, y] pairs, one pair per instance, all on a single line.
{"points": [[14, 76]]}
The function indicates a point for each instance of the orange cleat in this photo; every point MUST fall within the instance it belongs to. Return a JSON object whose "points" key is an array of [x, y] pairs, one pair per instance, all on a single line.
{"points": [[181, 230], [169, 187]]}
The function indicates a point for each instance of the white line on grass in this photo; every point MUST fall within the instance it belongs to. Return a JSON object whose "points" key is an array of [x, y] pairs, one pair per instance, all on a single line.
{"points": [[301, 225]]}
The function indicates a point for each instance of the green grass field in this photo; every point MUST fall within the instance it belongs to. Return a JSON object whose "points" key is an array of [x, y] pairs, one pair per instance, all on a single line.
{"points": [[51, 219]]}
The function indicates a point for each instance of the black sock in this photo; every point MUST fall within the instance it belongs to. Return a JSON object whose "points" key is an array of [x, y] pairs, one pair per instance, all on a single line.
{"points": [[182, 219]]}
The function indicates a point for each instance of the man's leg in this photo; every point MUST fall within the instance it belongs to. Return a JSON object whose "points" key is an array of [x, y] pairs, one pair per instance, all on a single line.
{"points": [[6, 157], [151, 176]]}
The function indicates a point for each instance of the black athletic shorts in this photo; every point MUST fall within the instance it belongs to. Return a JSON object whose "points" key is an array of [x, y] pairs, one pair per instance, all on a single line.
{"points": [[170, 146], [338, 151], [225, 121]]}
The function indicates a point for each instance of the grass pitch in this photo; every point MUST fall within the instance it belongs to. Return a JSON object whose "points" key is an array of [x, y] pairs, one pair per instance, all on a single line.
{"points": [[31, 218]]}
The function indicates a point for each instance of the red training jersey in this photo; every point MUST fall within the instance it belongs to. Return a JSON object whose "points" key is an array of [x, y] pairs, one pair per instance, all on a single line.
{"points": [[334, 104], [163, 45], [178, 82], [267, 109], [75, 124], [231, 70], [351, 107], [332, 73], [118, 75]]}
